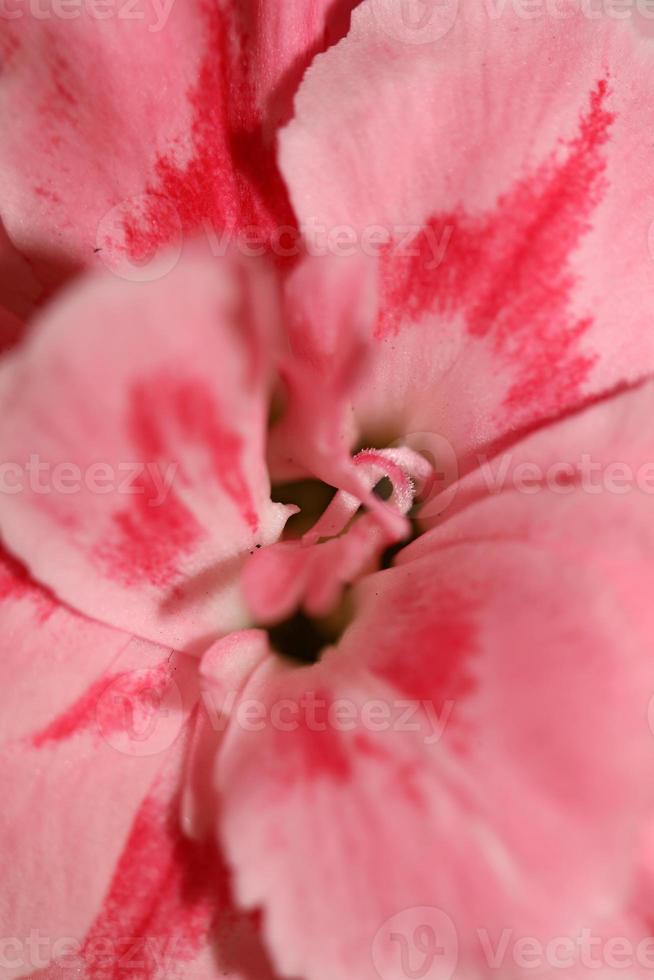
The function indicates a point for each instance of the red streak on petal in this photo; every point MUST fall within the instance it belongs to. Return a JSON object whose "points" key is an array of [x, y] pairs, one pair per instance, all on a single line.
{"points": [[16, 584], [312, 748], [47, 195], [60, 104], [231, 180], [406, 777], [168, 898], [102, 714], [149, 540], [323, 754], [161, 902], [9, 46], [169, 419], [507, 272], [168, 413], [427, 651]]}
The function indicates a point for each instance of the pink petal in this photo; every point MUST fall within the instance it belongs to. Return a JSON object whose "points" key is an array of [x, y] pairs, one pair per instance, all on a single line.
{"points": [[225, 670], [167, 911], [124, 132], [153, 399], [78, 756], [329, 305], [520, 632], [512, 287], [278, 41]]}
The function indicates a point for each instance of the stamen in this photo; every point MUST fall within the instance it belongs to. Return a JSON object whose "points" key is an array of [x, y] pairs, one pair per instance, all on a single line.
{"points": [[403, 467], [312, 574]]}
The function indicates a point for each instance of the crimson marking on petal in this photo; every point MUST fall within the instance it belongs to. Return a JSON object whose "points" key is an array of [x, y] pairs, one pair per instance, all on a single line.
{"points": [[90, 708], [47, 195], [406, 774], [15, 583], [189, 407], [507, 272], [168, 415], [60, 104], [161, 901], [312, 748], [147, 542], [232, 180], [9, 46], [167, 895], [427, 649]]}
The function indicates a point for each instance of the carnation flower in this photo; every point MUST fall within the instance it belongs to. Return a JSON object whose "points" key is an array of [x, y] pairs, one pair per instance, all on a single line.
{"points": [[327, 487]]}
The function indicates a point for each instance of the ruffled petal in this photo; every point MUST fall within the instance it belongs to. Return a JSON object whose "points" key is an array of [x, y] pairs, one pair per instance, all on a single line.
{"points": [[124, 129], [477, 743], [167, 912], [89, 717], [511, 286], [132, 437]]}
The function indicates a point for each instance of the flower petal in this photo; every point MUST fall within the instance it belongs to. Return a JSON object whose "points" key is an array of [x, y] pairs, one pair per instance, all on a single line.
{"points": [[124, 129], [132, 438], [329, 304], [89, 717], [512, 287], [499, 678], [168, 910]]}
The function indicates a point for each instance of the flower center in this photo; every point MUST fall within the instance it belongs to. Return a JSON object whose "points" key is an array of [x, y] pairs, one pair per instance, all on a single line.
{"points": [[300, 588]]}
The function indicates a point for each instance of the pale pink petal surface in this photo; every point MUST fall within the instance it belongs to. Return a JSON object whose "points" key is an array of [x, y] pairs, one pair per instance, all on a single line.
{"points": [[162, 394], [74, 741], [521, 632], [500, 161], [477, 746], [124, 132]]}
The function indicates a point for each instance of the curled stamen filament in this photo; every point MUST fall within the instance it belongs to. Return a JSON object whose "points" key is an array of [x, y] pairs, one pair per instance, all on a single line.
{"points": [[407, 472], [311, 573]]}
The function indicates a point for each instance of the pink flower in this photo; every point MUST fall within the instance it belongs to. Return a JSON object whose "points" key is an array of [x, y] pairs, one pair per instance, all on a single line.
{"points": [[457, 780]]}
